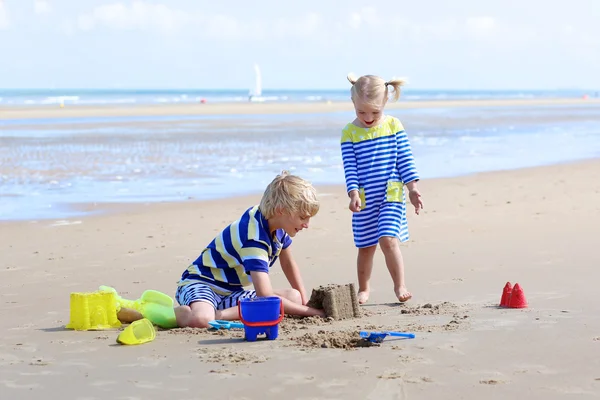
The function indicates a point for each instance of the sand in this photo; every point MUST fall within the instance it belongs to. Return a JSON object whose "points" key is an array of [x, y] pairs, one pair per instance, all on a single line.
{"points": [[537, 227], [338, 301], [54, 111]]}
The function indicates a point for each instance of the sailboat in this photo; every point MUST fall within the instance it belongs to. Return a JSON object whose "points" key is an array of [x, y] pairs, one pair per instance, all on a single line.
{"points": [[256, 93]]}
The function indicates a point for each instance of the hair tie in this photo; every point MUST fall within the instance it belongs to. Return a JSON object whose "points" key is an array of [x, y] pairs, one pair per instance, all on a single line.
{"points": [[386, 84]]}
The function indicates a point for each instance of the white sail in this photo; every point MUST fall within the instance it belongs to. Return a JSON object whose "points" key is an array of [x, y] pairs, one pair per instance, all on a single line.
{"points": [[257, 82]]}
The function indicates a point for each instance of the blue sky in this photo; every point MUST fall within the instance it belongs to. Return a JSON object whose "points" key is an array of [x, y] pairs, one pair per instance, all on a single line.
{"points": [[459, 44]]}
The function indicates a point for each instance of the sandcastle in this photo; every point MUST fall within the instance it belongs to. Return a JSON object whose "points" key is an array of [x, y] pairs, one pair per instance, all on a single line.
{"points": [[338, 301]]}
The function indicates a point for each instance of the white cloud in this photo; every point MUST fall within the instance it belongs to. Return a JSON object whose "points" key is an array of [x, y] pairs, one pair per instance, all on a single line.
{"points": [[222, 26], [144, 16], [302, 26], [481, 25], [4, 17], [41, 7], [355, 20], [139, 15]]}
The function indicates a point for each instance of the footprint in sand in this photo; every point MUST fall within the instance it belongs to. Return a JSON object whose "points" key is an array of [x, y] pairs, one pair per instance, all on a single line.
{"points": [[295, 379], [227, 374], [103, 383], [14, 385], [76, 363], [535, 368], [9, 359], [23, 327], [26, 347], [11, 269], [453, 347], [333, 383], [82, 350], [390, 385], [40, 373], [573, 390], [147, 385], [422, 379], [491, 382], [144, 362]]}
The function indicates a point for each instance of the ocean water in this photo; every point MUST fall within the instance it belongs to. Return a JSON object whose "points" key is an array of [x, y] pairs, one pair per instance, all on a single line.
{"points": [[37, 97], [49, 167]]}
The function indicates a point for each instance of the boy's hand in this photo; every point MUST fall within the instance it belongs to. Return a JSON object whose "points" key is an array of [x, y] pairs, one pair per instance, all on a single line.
{"points": [[319, 313], [355, 202], [415, 199]]}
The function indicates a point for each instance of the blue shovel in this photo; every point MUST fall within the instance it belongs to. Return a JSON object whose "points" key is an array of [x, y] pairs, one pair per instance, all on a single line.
{"points": [[221, 324], [377, 337]]}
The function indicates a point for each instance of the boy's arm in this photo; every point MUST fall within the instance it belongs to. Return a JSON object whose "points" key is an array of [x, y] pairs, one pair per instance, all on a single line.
{"points": [[262, 285], [292, 273]]}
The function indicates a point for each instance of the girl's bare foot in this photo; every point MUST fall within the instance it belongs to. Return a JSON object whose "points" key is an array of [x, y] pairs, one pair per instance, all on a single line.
{"points": [[363, 297], [403, 295]]}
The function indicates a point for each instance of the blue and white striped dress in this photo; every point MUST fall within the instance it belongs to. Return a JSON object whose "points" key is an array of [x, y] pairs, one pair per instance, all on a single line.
{"points": [[378, 162]]}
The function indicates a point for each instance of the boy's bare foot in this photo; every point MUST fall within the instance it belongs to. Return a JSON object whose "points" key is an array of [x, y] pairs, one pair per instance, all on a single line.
{"points": [[363, 297], [128, 315], [403, 295]]}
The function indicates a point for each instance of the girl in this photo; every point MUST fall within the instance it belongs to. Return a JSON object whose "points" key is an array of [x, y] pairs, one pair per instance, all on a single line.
{"points": [[378, 163]]}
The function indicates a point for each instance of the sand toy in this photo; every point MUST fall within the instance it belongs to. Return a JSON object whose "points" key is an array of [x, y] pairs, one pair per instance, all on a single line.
{"points": [[93, 311], [153, 305], [377, 337], [261, 315], [139, 332], [221, 324]]}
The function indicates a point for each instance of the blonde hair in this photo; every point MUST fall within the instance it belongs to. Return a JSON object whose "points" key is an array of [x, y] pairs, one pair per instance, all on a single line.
{"points": [[371, 88], [290, 194]]}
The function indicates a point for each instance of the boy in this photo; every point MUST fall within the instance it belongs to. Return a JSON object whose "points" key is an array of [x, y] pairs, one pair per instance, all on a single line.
{"points": [[242, 254]]}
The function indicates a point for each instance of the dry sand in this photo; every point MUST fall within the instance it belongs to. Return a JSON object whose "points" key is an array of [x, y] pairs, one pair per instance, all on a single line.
{"points": [[54, 111], [537, 227]]}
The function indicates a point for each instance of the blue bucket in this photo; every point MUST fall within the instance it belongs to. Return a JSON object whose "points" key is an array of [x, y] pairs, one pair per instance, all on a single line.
{"points": [[261, 315]]}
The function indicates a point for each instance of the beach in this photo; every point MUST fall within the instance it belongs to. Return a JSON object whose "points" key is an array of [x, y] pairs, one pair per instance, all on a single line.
{"points": [[54, 111], [537, 227], [519, 205]]}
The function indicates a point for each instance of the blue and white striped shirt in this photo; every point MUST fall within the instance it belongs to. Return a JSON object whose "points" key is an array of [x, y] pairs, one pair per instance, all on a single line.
{"points": [[245, 245], [374, 156]]}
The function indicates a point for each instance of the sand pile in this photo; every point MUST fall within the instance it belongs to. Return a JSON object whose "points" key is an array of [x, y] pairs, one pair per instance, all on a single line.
{"points": [[338, 301]]}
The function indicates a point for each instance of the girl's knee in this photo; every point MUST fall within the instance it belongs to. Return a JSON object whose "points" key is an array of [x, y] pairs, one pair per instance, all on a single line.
{"points": [[367, 250], [389, 243]]}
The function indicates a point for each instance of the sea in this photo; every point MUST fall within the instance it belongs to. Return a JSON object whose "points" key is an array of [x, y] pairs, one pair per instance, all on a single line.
{"points": [[49, 167]]}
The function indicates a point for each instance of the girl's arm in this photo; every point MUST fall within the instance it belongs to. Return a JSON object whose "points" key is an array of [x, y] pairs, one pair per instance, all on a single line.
{"points": [[407, 169], [406, 162], [349, 160], [292, 273]]}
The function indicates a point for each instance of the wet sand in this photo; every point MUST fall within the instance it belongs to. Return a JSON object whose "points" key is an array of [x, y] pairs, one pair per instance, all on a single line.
{"points": [[537, 227], [54, 111]]}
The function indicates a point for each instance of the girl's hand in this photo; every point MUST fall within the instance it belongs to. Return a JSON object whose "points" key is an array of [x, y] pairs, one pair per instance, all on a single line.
{"points": [[415, 199], [355, 203]]}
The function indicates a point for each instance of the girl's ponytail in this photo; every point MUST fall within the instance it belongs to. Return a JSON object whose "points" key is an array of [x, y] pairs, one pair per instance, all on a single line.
{"points": [[395, 83]]}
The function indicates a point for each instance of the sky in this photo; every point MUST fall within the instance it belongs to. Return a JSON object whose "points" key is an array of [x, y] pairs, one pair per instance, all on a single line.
{"points": [[308, 44]]}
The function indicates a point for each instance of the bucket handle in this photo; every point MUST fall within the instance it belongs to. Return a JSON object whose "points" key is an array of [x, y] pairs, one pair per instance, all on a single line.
{"points": [[264, 323]]}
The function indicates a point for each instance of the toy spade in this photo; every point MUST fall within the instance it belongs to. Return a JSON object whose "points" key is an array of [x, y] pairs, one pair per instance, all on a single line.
{"points": [[221, 324], [377, 337]]}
